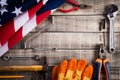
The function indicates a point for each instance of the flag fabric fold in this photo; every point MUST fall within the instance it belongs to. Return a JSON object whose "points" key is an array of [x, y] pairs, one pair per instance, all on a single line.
{"points": [[14, 25], [36, 19]]}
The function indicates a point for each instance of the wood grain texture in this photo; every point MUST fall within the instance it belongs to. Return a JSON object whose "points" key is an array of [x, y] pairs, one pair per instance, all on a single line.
{"points": [[66, 40], [76, 34], [98, 7], [80, 24], [54, 57]]}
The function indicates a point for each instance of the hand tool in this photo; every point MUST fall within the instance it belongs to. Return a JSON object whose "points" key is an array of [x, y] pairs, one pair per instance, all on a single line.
{"points": [[22, 68], [12, 77], [76, 6], [103, 25], [102, 61], [112, 11], [27, 68], [35, 57], [41, 69]]}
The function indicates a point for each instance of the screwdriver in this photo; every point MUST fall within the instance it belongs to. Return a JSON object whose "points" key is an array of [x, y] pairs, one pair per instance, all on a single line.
{"points": [[11, 77]]}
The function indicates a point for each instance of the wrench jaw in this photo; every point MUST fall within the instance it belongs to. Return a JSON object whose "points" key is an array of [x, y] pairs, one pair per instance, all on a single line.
{"points": [[111, 8], [112, 11], [111, 16]]}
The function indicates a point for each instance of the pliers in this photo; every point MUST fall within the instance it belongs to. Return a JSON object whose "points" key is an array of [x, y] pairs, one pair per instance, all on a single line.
{"points": [[76, 6], [102, 61]]}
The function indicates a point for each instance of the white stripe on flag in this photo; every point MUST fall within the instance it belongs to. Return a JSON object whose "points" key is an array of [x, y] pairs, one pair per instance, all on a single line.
{"points": [[31, 24], [38, 1], [4, 49], [44, 2], [53, 10], [0, 45], [21, 20]]}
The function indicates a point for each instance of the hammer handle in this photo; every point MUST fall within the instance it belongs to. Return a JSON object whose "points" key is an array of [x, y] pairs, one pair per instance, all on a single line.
{"points": [[11, 77], [21, 68]]}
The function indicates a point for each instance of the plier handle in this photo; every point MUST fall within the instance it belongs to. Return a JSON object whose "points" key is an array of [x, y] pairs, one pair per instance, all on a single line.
{"points": [[102, 61], [75, 7]]}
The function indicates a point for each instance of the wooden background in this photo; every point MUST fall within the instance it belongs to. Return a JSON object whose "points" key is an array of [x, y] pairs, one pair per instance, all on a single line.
{"points": [[75, 34]]}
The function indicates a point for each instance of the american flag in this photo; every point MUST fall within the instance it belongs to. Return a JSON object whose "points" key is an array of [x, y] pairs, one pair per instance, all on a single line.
{"points": [[12, 8], [18, 18]]}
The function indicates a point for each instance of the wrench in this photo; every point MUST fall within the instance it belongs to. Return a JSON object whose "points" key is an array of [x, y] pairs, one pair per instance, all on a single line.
{"points": [[112, 11], [6, 58]]}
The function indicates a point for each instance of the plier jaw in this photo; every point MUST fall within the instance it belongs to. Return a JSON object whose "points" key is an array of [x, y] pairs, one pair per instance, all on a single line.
{"points": [[102, 52], [102, 62], [75, 7]]}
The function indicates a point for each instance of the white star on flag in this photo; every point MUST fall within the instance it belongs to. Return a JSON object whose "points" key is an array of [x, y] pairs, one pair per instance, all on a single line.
{"points": [[3, 2], [3, 10], [22, 1], [17, 11]]}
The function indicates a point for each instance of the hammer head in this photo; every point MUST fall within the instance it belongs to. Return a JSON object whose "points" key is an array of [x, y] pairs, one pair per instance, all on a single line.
{"points": [[45, 64], [44, 72]]}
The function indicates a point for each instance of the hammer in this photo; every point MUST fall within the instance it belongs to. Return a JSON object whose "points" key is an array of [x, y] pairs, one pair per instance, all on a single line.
{"points": [[42, 69]]}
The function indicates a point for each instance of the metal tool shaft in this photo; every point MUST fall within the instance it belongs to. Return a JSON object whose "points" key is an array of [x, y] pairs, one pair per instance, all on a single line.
{"points": [[111, 36], [35, 57]]}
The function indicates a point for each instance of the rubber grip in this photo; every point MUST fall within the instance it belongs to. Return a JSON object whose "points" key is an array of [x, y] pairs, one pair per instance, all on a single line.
{"points": [[106, 67], [98, 67], [69, 10]]}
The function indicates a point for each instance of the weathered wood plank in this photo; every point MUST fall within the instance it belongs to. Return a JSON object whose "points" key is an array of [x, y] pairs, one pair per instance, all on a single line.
{"points": [[70, 40], [76, 23], [66, 40], [79, 24], [72, 36], [98, 7], [55, 57]]}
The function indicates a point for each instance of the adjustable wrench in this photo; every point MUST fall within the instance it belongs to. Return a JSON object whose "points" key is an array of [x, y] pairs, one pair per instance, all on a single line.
{"points": [[112, 11]]}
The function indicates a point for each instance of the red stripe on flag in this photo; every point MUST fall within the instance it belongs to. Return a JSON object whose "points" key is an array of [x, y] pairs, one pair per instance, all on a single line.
{"points": [[13, 40], [4, 31], [42, 16], [33, 10]]}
